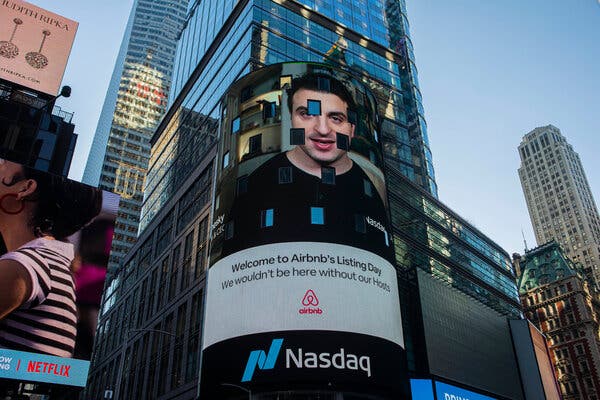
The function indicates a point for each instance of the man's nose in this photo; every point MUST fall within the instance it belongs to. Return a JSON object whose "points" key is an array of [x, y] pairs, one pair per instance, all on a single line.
{"points": [[321, 125]]}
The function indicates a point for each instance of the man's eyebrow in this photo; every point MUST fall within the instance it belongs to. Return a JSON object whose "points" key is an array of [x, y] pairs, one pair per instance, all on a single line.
{"points": [[301, 108], [337, 114]]}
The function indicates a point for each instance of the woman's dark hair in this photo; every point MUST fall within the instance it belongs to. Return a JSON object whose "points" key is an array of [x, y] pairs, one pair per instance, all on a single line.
{"points": [[63, 206]]}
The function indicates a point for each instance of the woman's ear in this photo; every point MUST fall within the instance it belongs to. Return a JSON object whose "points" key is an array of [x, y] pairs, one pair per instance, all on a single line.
{"points": [[27, 188]]}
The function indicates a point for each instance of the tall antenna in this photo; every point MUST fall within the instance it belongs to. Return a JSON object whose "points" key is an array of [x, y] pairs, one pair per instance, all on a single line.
{"points": [[524, 241]]}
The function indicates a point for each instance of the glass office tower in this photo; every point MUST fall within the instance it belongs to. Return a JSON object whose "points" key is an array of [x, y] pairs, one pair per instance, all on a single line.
{"points": [[148, 342], [134, 105]]}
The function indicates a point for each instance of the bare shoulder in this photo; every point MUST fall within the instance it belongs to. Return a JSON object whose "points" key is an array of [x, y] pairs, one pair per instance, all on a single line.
{"points": [[15, 286]]}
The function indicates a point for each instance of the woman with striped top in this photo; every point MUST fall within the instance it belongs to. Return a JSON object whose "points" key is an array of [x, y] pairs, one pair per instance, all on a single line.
{"points": [[38, 211]]}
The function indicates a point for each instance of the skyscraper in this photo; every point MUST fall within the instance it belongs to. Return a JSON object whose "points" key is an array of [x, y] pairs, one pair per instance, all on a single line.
{"points": [[451, 274], [559, 199], [136, 101]]}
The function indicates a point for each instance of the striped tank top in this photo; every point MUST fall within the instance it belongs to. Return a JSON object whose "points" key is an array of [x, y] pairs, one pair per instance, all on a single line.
{"points": [[46, 321]]}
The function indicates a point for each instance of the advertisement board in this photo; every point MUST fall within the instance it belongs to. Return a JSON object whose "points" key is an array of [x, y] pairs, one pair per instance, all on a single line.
{"points": [[34, 367], [423, 389], [34, 45], [301, 289], [55, 239]]}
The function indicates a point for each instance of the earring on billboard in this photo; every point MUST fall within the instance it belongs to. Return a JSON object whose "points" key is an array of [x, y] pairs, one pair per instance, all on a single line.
{"points": [[4, 210], [35, 58], [9, 49]]}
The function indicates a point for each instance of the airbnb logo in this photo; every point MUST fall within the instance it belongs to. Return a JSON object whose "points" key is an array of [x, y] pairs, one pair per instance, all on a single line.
{"points": [[310, 299]]}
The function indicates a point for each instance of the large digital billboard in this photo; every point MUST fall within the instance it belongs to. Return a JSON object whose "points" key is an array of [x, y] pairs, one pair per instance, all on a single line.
{"points": [[55, 239], [34, 45], [301, 289]]}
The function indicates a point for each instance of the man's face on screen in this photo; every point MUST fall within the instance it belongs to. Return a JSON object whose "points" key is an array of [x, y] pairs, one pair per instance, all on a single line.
{"points": [[320, 131]]}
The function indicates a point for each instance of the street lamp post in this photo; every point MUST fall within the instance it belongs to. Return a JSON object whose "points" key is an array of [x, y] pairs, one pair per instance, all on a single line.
{"points": [[239, 387], [122, 361]]}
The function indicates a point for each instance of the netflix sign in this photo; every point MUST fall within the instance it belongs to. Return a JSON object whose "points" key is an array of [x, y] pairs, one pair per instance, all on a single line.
{"points": [[42, 368]]}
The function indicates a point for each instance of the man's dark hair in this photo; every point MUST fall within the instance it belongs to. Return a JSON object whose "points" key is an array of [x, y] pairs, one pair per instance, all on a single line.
{"points": [[319, 82]]}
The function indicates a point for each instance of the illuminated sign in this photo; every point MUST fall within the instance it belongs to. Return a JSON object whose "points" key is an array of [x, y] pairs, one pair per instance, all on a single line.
{"points": [[423, 389], [42, 368], [450, 392], [34, 45], [301, 254]]}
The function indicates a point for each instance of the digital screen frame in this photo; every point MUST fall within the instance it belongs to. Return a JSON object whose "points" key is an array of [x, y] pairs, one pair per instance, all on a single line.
{"points": [[302, 288]]}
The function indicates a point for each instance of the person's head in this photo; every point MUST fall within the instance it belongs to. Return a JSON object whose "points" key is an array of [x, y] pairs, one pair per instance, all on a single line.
{"points": [[320, 131], [50, 204]]}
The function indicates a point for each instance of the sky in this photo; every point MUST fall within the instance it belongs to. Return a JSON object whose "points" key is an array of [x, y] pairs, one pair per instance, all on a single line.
{"points": [[489, 72]]}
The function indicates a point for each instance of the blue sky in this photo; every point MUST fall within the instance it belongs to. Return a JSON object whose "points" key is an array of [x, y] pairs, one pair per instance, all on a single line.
{"points": [[490, 71]]}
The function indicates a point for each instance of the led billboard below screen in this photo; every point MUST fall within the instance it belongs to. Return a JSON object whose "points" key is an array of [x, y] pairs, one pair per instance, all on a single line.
{"points": [[450, 392], [423, 389], [301, 289], [33, 367], [55, 239], [34, 45]]}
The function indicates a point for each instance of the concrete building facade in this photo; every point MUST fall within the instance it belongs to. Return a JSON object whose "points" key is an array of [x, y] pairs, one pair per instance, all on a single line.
{"points": [[559, 198]]}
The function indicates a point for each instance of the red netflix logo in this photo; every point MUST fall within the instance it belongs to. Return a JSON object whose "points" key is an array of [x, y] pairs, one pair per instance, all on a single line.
{"points": [[40, 367], [310, 299]]}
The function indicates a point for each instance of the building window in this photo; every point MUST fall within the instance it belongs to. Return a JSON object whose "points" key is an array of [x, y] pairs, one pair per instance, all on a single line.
{"points": [[229, 230], [296, 136], [235, 125], [360, 224], [266, 218], [328, 175], [225, 160], [285, 175], [368, 187], [372, 157], [314, 107], [268, 109], [255, 144], [242, 184], [352, 120], [323, 84], [317, 215], [342, 141]]}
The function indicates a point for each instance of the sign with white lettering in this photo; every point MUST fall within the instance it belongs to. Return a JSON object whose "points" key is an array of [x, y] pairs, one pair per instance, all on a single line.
{"points": [[42, 368], [324, 289], [34, 45]]}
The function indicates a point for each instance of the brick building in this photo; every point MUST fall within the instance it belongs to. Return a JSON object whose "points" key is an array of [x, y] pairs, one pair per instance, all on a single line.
{"points": [[566, 309]]}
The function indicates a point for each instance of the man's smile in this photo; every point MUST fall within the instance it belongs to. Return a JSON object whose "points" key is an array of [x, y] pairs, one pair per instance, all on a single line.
{"points": [[323, 143]]}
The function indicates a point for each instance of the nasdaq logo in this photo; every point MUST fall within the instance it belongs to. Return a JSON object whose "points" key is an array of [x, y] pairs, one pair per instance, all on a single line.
{"points": [[259, 359]]}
